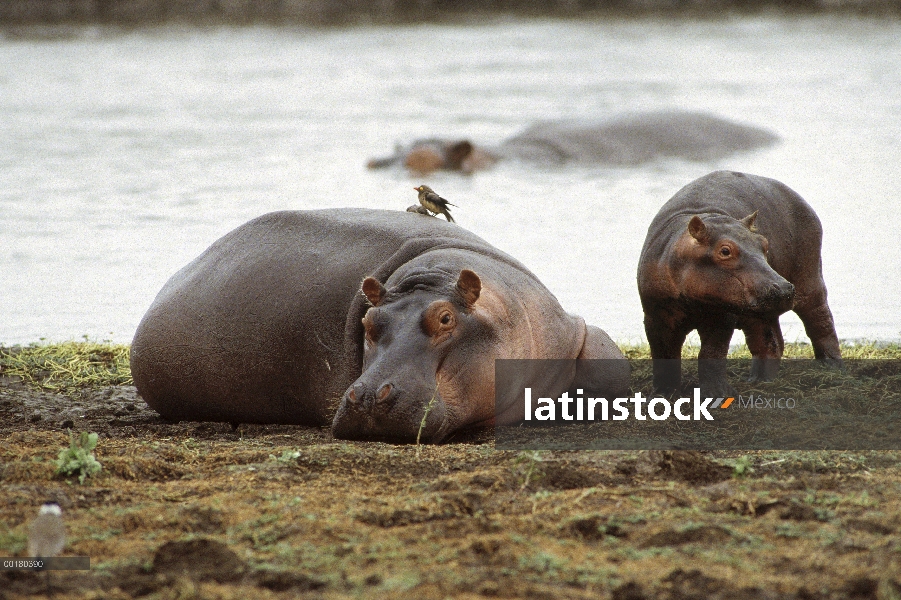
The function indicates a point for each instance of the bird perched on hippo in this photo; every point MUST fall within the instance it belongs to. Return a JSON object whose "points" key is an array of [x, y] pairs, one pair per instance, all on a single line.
{"points": [[623, 140], [271, 324], [434, 203], [732, 251]]}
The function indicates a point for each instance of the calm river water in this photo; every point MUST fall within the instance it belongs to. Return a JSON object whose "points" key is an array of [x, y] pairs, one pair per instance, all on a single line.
{"points": [[124, 155]]}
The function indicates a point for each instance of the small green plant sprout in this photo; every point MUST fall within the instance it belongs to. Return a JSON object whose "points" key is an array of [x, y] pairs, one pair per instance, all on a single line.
{"points": [[531, 458], [287, 456], [742, 467], [78, 458], [425, 415]]}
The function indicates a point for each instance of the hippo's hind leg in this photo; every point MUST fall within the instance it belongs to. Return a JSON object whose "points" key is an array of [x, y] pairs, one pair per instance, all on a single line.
{"points": [[602, 368], [764, 339], [820, 328], [666, 351], [715, 338]]}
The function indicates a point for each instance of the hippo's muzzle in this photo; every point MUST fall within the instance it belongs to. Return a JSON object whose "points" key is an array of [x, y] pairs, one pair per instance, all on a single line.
{"points": [[385, 412], [776, 297]]}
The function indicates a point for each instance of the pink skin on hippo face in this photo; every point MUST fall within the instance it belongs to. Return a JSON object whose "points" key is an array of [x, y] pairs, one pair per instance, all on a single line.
{"points": [[430, 341], [425, 353], [722, 262]]}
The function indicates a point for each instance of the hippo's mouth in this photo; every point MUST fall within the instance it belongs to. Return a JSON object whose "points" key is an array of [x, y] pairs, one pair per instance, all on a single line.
{"points": [[775, 301], [398, 421]]}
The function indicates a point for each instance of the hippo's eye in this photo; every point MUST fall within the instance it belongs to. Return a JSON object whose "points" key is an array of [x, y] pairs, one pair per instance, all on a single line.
{"points": [[725, 252], [439, 321]]}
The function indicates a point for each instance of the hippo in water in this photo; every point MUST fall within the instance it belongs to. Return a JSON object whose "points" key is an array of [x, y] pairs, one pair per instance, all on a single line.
{"points": [[425, 156], [271, 324], [732, 251], [623, 140]]}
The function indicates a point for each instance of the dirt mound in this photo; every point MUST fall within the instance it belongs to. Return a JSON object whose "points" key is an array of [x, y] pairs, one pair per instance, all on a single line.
{"points": [[687, 466], [705, 534], [200, 559]]}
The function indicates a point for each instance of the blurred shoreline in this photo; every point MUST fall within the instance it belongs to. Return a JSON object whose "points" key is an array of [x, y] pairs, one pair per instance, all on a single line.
{"points": [[16, 13]]}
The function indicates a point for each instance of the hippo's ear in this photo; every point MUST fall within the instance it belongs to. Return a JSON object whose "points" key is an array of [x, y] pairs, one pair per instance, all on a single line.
{"points": [[750, 220], [698, 230], [373, 290], [456, 153], [470, 286]]}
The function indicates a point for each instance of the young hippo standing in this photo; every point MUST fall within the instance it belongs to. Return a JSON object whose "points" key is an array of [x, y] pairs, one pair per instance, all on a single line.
{"points": [[732, 251]]}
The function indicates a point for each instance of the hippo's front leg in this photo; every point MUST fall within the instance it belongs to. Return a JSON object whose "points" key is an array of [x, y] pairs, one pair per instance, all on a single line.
{"points": [[764, 339], [666, 342], [712, 378]]}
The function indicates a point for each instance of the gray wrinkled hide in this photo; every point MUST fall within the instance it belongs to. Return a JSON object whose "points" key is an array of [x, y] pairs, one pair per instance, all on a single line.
{"points": [[264, 326]]}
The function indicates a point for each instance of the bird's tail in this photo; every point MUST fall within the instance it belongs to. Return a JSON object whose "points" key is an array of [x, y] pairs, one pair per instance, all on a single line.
{"points": [[450, 219]]}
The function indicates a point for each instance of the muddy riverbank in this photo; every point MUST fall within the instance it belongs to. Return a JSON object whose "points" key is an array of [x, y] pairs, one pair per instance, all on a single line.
{"points": [[202, 510]]}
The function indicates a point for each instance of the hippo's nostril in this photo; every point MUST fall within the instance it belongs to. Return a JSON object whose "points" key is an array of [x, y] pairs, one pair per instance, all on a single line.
{"points": [[385, 391], [357, 393], [782, 289]]}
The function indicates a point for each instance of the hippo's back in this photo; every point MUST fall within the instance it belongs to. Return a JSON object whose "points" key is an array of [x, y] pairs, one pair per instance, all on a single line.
{"points": [[787, 221], [635, 138], [255, 328]]}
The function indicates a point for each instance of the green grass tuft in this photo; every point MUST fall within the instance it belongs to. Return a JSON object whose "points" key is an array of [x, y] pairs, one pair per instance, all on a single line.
{"points": [[850, 351], [69, 365]]}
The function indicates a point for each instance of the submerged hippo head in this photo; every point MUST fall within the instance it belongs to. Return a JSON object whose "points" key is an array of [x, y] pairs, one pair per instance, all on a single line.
{"points": [[723, 262], [426, 156], [426, 361]]}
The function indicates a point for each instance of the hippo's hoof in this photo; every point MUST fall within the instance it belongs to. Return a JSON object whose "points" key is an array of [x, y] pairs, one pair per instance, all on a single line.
{"points": [[667, 390], [763, 369], [718, 389], [833, 363]]}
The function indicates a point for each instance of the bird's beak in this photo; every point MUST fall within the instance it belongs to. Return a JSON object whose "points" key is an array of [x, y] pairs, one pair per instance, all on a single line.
{"points": [[416, 189]]}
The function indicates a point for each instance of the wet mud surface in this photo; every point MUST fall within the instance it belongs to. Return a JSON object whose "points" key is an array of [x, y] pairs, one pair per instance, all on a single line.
{"points": [[202, 510]]}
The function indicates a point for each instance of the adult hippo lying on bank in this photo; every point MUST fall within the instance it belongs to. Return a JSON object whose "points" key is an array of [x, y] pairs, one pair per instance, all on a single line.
{"points": [[732, 251], [267, 326], [628, 139]]}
